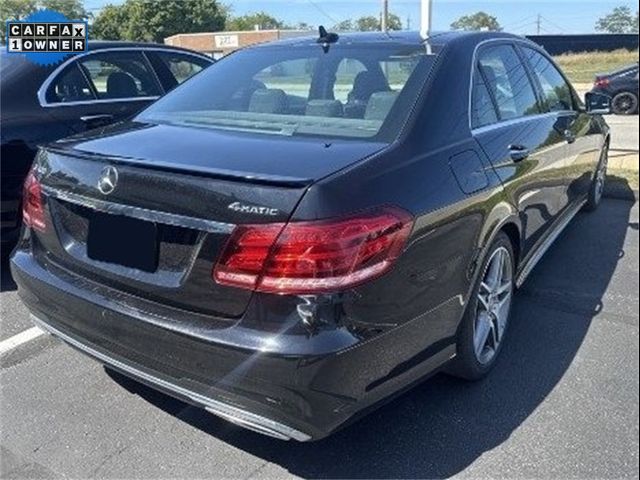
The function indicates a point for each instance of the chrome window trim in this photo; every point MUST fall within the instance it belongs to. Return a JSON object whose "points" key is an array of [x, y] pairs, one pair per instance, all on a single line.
{"points": [[512, 121], [140, 213], [474, 60], [42, 91]]}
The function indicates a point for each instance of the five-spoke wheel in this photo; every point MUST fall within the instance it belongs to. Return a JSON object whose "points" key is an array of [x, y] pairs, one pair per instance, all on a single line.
{"points": [[494, 304]]}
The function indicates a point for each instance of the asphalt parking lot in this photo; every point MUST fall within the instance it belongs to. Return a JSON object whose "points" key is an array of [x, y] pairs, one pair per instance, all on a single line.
{"points": [[562, 401]]}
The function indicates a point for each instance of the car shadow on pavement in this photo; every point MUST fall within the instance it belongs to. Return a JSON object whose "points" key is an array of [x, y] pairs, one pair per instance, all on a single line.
{"points": [[6, 281], [443, 425]]}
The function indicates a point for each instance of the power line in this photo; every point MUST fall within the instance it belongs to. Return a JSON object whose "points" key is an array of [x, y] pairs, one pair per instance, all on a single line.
{"points": [[323, 12], [553, 24]]}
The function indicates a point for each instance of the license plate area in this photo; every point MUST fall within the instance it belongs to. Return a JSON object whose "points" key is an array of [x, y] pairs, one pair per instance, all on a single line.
{"points": [[123, 241]]}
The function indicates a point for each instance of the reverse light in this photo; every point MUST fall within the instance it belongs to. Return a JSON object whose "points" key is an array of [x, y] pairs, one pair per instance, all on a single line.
{"points": [[314, 257], [32, 206]]}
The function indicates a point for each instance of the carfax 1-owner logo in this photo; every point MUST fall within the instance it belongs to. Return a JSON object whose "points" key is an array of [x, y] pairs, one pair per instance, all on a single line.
{"points": [[46, 37]]}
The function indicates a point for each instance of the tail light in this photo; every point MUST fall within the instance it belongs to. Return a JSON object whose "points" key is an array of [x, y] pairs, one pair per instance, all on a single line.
{"points": [[601, 82], [32, 206], [313, 257]]}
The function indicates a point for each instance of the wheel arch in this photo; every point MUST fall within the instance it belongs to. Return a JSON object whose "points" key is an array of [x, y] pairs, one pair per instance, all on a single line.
{"points": [[504, 218]]}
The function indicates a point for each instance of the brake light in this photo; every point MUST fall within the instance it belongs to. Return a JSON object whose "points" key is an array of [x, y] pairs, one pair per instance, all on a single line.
{"points": [[32, 206], [314, 257], [602, 82]]}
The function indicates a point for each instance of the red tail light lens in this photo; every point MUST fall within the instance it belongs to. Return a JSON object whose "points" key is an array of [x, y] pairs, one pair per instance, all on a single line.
{"points": [[32, 206], [602, 82], [314, 257]]}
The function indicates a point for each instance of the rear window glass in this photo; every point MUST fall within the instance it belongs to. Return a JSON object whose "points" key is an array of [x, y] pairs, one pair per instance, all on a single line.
{"points": [[349, 91]]}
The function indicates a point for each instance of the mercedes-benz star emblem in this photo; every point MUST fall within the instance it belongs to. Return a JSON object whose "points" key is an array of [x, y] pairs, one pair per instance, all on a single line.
{"points": [[108, 180]]}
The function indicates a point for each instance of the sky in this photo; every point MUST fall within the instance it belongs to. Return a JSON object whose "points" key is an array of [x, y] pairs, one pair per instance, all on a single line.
{"points": [[516, 16]]}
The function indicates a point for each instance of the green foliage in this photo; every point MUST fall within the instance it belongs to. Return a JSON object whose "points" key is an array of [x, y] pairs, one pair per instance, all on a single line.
{"points": [[369, 24], [249, 22], [477, 21], [110, 23], [153, 21], [344, 26], [19, 9], [620, 20]]}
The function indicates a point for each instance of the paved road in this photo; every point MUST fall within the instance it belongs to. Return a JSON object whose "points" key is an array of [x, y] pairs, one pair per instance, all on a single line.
{"points": [[562, 402], [624, 132]]}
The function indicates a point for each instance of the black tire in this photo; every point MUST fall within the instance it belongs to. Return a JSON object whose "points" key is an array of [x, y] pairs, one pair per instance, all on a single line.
{"points": [[624, 103], [596, 191], [466, 364]]}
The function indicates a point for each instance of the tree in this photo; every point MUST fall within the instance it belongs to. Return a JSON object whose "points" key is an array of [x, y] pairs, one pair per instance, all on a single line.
{"points": [[370, 23], [153, 21], [263, 20], [110, 23], [72, 9], [304, 26], [19, 9], [620, 20], [344, 26], [477, 21], [394, 22]]}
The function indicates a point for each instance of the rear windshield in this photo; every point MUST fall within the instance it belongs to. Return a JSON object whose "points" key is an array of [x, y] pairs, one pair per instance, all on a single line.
{"points": [[351, 91]]}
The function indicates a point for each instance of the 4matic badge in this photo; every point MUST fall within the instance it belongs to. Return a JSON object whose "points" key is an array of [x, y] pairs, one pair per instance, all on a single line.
{"points": [[239, 207]]}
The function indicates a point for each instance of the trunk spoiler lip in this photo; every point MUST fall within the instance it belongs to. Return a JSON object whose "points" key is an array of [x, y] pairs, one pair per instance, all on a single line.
{"points": [[222, 174]]}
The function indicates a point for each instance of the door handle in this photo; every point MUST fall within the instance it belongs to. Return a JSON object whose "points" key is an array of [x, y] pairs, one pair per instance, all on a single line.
{"points": [[569, 136], [518, 152], [98, 120]]}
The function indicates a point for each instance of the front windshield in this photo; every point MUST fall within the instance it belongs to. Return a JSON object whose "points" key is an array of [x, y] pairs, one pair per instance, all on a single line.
{"points": [[353, 91]]}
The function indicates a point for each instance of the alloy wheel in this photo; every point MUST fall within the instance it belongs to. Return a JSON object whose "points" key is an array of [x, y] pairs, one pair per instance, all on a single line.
{"points": [[625, 103], [494, 305], [601, 175]]}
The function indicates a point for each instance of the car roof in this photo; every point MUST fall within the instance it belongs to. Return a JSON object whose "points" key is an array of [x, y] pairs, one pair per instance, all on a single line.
{"points": [[396, 37], [112, 44], [624, 69]]}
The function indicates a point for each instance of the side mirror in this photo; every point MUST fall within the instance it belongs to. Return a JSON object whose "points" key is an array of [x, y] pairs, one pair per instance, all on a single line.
{"points": [[597, 103]]}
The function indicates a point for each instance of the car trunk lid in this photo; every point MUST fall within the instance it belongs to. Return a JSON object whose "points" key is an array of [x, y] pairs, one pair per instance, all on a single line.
{"points": [[157, 234]]}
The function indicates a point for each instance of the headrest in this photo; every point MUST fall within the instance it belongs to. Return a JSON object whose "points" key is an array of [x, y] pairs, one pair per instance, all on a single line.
{"points": [[268, 100], [379, 105]]}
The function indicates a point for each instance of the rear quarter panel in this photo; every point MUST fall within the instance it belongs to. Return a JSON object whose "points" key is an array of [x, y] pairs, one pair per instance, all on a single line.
{"points": [[411, 315]]}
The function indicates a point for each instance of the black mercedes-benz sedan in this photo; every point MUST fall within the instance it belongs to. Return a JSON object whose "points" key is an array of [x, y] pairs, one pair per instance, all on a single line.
{"points": [[622, 86], [110, 82], [314, 225]]}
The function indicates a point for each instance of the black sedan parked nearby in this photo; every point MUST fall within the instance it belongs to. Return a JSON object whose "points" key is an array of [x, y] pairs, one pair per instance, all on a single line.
{"points": [[111, 82], [313, 225], [622, 86]]}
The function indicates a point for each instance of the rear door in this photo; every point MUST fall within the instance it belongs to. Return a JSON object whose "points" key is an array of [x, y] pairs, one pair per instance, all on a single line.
{"points": [[510, 124], [572, 126], [101, 88]]}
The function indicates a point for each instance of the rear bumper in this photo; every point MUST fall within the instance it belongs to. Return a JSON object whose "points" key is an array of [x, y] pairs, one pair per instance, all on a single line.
{"points": [[289, 383], [265, 392], [233, 414]]}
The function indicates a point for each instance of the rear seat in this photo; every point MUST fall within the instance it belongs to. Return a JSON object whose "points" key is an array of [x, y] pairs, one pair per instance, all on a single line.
{"points": [[324, 108], [268, 100]]}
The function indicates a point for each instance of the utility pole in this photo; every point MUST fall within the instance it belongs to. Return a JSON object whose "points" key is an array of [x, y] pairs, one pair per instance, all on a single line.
{"points": [[385, 15], [425, 17], [538, 22]]}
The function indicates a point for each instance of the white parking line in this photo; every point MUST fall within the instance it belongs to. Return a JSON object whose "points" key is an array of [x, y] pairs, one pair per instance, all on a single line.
{"points": [[22, 337]]}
